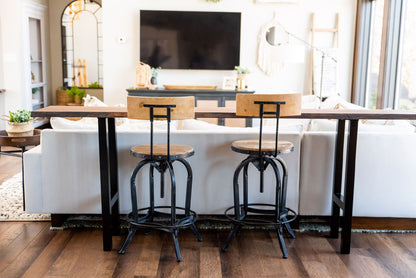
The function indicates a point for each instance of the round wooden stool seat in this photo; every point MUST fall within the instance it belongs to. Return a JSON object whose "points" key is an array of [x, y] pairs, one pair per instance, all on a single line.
{"points": [[267, 146], [160, 151]]}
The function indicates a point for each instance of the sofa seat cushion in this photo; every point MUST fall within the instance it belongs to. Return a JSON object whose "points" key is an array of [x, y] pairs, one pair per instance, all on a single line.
{"points": [[382, 126]]}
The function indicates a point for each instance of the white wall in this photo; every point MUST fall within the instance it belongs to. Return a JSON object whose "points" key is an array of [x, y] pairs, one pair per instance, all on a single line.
{"points": [[12, 51], [12, 54], [2, 85], [122, 19]]}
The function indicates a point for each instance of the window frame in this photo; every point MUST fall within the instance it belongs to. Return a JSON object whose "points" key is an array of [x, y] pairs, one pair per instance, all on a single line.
{"points": [[390, 56]]}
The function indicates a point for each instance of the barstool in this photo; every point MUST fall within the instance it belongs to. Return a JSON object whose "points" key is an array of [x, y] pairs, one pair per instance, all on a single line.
{"points": [[161, 157], [263, 153]]}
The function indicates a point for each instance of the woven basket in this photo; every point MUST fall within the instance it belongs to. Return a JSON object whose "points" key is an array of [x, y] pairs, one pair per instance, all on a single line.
{"points": [[19, 129], [62, 98]]}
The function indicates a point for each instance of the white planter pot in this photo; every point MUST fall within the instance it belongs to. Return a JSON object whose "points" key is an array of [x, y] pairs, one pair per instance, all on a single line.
{"points": [[19, 129]]}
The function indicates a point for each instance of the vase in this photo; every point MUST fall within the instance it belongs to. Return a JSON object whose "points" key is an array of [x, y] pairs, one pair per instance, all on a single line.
{"points": [[77, 99], [242, 81], [153, 80], [19, 129]]}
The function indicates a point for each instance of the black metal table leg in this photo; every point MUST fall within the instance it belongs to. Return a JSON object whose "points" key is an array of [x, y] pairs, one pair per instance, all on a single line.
{"points": [[114, 202], [105, 188], [221, 103], [23, 180], [336, 189], [349, 188]]}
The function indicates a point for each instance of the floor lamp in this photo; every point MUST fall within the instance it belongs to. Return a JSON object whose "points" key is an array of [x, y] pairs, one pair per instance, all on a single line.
{"points": [[324, 55]]}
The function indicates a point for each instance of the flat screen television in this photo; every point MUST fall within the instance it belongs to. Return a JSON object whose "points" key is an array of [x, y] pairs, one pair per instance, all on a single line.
{"points": [[190, 40]]}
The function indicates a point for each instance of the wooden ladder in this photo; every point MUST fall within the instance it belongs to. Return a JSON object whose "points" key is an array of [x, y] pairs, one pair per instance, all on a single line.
{"points": [[80, 77], [335, 42]]}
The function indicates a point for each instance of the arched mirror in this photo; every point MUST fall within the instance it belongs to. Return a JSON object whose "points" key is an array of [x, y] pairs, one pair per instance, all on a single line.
{"points": [[82, 44]]}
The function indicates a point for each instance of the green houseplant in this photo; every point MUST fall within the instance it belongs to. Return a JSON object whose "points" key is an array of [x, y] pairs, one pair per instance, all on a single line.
{"points": [[95, 85], [241, 70], [95, 89], [76, 93], [19, 123]]}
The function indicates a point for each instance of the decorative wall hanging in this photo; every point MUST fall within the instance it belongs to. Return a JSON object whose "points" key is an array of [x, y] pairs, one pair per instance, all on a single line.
{"points": [[274, 49]]}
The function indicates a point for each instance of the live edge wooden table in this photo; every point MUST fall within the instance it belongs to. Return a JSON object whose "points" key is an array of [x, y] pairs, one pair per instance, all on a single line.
{"points": [[108, 157]]}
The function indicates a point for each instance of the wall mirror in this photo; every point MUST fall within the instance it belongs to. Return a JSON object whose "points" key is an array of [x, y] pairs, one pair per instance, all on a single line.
{"points": [[82, 44], [276, 35]]}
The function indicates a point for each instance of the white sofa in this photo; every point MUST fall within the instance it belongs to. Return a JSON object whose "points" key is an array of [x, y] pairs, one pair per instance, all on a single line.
{"points": [[62, 174], [385, 180]]}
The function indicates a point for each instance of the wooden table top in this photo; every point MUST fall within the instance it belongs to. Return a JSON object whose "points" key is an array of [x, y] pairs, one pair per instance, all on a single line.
{"points": [[225, 112]]}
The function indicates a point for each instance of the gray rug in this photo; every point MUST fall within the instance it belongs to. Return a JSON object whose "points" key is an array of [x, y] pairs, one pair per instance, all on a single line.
{"points": [[211, 222], [11, 202], [11, 209]]}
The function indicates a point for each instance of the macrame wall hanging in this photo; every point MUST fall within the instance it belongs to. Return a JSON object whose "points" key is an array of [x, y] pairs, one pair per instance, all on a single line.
{"points": [[273, 42]]}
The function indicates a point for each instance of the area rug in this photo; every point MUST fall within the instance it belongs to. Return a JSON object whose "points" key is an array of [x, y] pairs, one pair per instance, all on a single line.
{"points": [[11, 202]]}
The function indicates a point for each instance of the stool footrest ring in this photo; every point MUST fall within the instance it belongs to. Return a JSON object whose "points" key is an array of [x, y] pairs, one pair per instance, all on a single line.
{"points": [[289, 215], [181, 222]]}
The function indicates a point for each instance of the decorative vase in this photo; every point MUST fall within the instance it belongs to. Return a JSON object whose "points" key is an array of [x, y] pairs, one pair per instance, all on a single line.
{"points": [[242, 81], [19, 129], [153, 80], [77, 99]]}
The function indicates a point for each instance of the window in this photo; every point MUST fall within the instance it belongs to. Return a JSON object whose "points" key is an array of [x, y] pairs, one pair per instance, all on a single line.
{"points": [[406, 93], [374, 57], [385, 62]]}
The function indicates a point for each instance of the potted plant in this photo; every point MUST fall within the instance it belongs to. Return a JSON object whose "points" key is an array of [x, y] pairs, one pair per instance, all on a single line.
{"points": [[155, 72], [95, 89], [95, 85], [62, 98], [19, 123], [242, 79], [76, 93], [35, 91]]}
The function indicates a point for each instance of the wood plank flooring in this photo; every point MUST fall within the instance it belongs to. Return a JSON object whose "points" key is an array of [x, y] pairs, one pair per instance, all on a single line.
{"points": [[9, 165], [32, 250]]}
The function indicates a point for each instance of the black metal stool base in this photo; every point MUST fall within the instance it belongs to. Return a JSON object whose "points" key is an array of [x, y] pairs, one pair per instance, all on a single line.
{"points": [[161, 221], [287, 216]]}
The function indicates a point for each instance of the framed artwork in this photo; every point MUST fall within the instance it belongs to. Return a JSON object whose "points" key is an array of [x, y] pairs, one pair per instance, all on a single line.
{"points": [[276, 1], [229, 83]]}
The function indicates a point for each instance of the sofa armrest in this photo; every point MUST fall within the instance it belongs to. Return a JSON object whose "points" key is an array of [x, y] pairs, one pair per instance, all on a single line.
{"points": [[33, 180]]}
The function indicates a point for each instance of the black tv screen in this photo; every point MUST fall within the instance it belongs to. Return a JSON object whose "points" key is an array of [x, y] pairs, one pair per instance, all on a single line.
{"points": [[190, 40]]}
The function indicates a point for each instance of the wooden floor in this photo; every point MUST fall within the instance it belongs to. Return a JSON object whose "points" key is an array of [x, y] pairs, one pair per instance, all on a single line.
{"points": [[9, 166], [31, 249]]}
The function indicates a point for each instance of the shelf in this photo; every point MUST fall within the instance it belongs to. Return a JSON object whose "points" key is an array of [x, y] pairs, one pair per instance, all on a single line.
{"points": [[36, 61], [37, 103], [40, 122], [37, 85]]}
